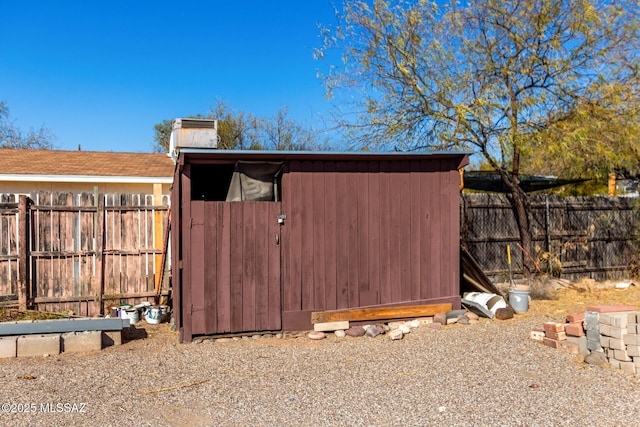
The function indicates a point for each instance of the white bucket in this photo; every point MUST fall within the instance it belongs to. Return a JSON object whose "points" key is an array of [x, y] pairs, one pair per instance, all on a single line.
{"points": [[132, 314], [153, 315], [519, 300]]}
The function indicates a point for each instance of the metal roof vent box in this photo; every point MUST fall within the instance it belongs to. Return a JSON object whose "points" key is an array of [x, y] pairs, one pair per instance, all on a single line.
{"points": [[194, 133]]}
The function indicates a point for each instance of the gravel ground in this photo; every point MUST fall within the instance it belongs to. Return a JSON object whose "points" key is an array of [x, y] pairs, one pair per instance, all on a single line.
{"points": [[485, 374]]}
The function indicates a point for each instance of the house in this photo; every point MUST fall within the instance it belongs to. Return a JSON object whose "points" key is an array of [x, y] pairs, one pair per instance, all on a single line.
{"points": [[28, 171], [268, 238]]}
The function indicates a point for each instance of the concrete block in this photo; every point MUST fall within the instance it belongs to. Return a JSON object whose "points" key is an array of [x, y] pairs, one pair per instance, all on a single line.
{"points": [[591, 320], [331, 326], [593, 335], [631, 339], [628, 367], [619, 320], [570, 347], [8, 346], [633, 317], [537, 335], [616, 332], [617, 344], [633, 328], [621, 355], [38, 345], [594, 345], [636, 361], [110, 338], [633, 350], [605, 319], [581, 342], [604, 329], [82, 341], [604, 341], [615, 364]]}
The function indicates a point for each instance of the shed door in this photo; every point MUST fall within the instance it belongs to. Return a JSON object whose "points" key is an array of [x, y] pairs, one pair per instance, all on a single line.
{"points": [[235, 267]]}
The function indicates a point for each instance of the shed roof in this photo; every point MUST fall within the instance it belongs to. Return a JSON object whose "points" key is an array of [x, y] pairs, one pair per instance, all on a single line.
{"points": [[55, 164], [214, 154]]}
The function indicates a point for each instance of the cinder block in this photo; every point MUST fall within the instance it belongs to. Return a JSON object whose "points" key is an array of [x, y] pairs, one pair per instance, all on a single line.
{"points": [[570, 347], [574, 329], [110, 338], [636, 361], [622, 356], [605, 319], [604, 341], [617, 344], [594, 345], [617, 332], [631, 339], [593, 335], [8, 346], [615, 364], [331, 326], [581, 342], [633, 350], [633, 328], [633, 317], [82, 341], [604, 329], [591, 320], [38, 345], [628, 367], [537, 335], [619, 320]]}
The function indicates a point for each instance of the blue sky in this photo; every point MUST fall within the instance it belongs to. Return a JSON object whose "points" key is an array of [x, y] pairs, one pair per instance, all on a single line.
{"points": [[101, 74]]}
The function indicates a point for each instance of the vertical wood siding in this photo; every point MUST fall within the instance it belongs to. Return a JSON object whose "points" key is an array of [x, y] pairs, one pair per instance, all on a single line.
{"points": [[234, 263], [363, 233]]}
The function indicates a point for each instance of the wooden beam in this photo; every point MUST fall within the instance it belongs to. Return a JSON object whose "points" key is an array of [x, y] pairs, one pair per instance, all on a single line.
{"points": [[24, 287], [380, 313], [157, 233]]}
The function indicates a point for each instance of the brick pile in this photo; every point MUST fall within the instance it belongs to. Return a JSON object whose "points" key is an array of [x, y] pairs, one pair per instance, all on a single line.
{"points": [[613, 330]]}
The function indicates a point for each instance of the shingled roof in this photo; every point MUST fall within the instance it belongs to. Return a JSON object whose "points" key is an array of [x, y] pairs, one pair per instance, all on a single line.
{"points": [[84, 163]]}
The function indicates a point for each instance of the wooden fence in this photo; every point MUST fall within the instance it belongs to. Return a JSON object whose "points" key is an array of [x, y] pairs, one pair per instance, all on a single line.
{"points": [[81, 252], [574, 237]]}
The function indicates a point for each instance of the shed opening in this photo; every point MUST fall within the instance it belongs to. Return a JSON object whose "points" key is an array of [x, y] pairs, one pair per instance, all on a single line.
{"points": [[237, 182]]}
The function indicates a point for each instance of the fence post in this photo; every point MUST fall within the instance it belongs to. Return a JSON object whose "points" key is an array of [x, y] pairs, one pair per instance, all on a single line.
{"points": [[24, 287]]}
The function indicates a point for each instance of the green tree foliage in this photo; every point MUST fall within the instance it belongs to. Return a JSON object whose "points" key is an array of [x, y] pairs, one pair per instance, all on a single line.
{"points": [[238, 130], [490, 76], [12, 137]]}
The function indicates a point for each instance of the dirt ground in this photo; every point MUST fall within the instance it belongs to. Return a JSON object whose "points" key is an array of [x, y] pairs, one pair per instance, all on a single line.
{"points": [[553, 299]]}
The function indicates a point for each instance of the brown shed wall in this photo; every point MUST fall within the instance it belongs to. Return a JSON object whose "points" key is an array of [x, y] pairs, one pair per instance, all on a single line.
{"points": [[360, 231], [368, 233]]}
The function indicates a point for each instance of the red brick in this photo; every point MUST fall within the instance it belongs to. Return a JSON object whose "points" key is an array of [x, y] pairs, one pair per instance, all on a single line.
{"points": [[574, 329], [553, 327], [575, 317], [610, 308], [551, 343], [560, 336]]}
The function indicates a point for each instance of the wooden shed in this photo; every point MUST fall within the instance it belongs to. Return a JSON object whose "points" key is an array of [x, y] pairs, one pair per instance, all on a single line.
{"points": [[267, 238]]}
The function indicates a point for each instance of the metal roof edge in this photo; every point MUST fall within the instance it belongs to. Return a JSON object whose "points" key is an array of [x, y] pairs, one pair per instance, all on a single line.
{"points": [[275, 153]]}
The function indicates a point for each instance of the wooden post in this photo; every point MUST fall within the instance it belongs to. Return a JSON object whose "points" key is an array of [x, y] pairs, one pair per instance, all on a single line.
{"points": [[157, 231], [98, 223], [612, 185], [24, 288]]}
